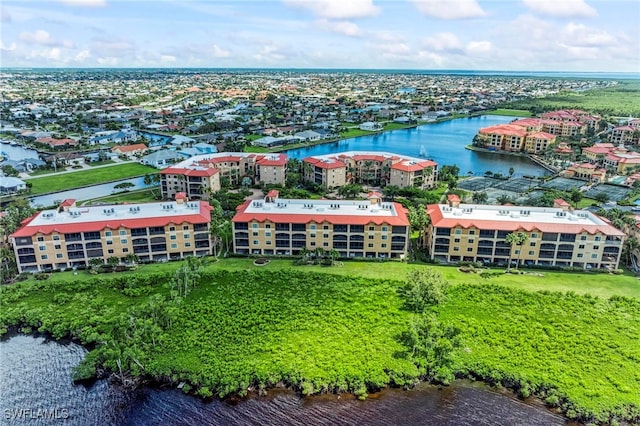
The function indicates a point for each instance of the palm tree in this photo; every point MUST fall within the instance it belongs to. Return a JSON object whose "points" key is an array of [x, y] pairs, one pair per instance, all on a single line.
{"points": [[516, 239], [333, 255]]}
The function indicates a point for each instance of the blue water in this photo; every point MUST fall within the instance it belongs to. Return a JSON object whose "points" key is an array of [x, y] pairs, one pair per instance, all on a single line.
{"points": [[444, 143], [82, 194]]}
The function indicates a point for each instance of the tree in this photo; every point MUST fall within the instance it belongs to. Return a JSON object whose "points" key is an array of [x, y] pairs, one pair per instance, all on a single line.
{"points": [[504, 199], [95, 263], [350, 190], [516, 239], [575, 196], [511, 171], [113, 261], [333, 255], [602, 197], [430, 345], [418, 219], [423, 288], [391, 191], [480, 197], [131, 258], [631, 246], [124, 186], [18, 211]]}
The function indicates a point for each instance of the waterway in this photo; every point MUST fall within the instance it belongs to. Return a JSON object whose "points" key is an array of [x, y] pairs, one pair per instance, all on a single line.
{"points": [[36, 379], [17, 152], [444, 142], [87, 193]]}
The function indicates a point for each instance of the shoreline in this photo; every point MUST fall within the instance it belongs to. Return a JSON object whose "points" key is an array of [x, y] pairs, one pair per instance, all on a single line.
{"points": [[531, 157]]}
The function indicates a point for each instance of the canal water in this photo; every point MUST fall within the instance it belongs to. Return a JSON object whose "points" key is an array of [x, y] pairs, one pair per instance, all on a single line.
{"points": [[444, 142], [36, 382], [17, 152]]}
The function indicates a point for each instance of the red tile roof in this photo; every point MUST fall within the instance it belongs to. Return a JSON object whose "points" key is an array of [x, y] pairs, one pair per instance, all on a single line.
{"points": [[210, 171], [410, 166], [129, 148]]}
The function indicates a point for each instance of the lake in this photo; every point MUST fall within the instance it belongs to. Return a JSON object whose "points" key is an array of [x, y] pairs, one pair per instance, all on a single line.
{"points": [[87, 193], [36, 375], [444, 142], [18, 152]]}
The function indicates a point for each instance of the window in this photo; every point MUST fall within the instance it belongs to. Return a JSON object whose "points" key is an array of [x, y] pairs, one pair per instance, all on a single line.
{"points": [[110, 251], [312, 226], [594, 255], [581, 247], [596, 247], [43, 248], [370, 245], [186, 236], [372, 228], [457, 231], [383, 245], [124, 232], [469, 248], [325, 235], [471, 240], [256, 242], [325, 244], [173, 237], [472, 232], [371, 237], [254, 225], [531, 253], [40, 239], [57, 247], [385, 229], [123, 241], [107, 233], [534, 235], [255, 234], [580, 255], [185, 227], [456, 240], [174, 246], [313, 243], [517, 251], [456, 249], [268, 226], [56, 237], [268, 242], [59, 255], [125, 250], [44, 257], [171, 229], [109, 242], [313, 235], [583, 237], [384, 237], [532, 244], [598, 238], [325, 227]]}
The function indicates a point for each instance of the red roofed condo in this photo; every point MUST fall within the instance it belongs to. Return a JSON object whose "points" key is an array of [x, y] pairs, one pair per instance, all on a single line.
{"points": [[359, 228], [69, 236], [557, 236], [370, 168]]}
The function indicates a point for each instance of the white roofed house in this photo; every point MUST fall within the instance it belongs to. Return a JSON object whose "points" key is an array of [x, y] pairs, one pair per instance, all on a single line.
{"points": [[11, 185], [161, 159], [308, 135]]}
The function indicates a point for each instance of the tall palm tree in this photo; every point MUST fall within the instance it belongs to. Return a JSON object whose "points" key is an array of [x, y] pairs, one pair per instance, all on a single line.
{"points": [[515, 239]]}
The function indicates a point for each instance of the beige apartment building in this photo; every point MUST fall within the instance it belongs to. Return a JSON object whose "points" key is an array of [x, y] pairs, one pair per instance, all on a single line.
{"points": [[362, 228], [200, 175], [515, 138], [369, 168], [69, 236], [557, 236]]}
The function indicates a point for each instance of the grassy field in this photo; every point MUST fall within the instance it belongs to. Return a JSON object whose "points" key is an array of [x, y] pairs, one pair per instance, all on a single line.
{"points": [[139, 196], [601, 285], [620, 100], [251, 327], [510, 112], [81, 178]]}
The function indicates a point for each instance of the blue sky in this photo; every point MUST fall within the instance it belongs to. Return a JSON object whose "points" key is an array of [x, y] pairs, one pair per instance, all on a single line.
{"points": [[511, 35]]}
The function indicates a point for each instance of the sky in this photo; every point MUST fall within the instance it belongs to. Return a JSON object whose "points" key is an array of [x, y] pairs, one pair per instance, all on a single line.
{"points": [[509, 35]]}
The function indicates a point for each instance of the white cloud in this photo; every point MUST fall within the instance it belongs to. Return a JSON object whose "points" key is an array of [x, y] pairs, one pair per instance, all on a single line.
{"points": [[581, 36], [450, 9], [341, 27], [83, 56], [397, 49], [475, 47], [561, 8], [112, 47], [85, 3], [10, 48], [443, 42], [337, 9], [37, 37], [219, 52], [269, 53], [168, 59]]}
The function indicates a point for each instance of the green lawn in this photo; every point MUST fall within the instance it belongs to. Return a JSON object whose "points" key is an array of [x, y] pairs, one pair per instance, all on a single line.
{"points": [[139, 196], [81, 178], [510, 112], [596, 284]]}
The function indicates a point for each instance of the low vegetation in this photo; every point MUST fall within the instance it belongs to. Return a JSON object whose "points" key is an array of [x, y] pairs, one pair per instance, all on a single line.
{"points": [[240, 330], [81, 178]]}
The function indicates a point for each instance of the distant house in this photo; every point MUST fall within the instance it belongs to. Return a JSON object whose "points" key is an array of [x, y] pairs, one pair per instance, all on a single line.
{"points": [[205, 148], [57, 143], [370, 126], [161, 159], [118, 136], [130, 150], [11, 185], [182, 140], [308, 135]]}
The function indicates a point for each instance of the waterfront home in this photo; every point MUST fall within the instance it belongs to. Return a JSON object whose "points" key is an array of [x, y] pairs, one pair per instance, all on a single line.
{"points": [[586, 171], [557, 236], [308, 135], [130, 151], [68, 236], [161, 158], [370, 126], [360, 228], [11, 185], [57, 143]]}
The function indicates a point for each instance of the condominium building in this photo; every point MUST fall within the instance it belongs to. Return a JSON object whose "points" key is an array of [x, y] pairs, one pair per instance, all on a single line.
{"points": [[371, 168], [515, 137], [557, 236], [363, 228], [616, 159], [200, 175], [69, 236]]}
